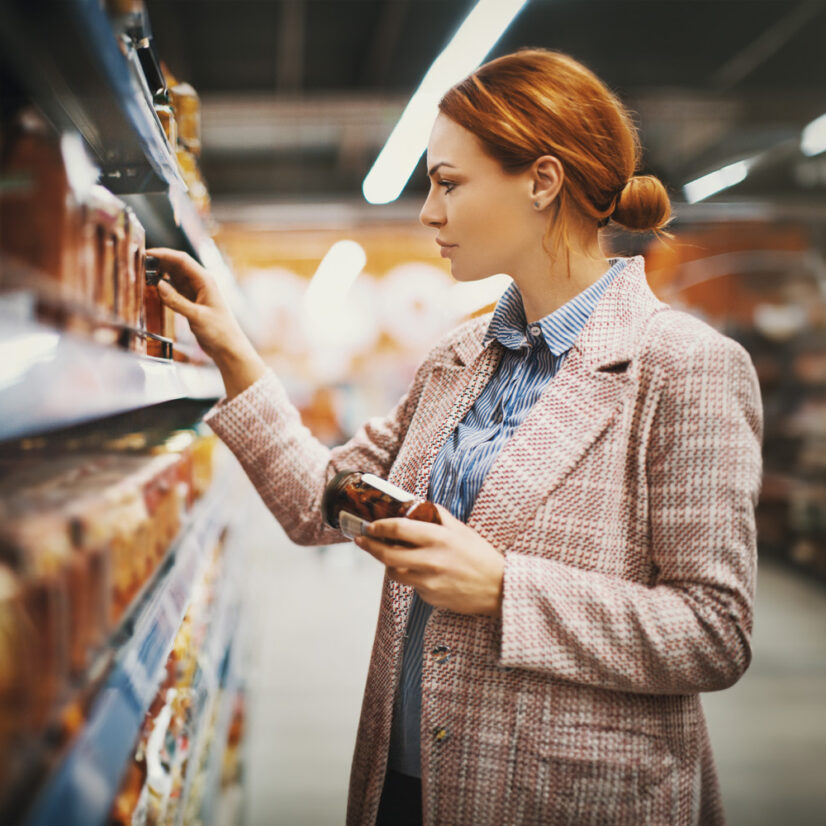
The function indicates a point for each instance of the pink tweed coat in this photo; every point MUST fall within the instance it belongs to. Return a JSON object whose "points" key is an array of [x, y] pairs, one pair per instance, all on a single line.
{"points": [[624, 506]]}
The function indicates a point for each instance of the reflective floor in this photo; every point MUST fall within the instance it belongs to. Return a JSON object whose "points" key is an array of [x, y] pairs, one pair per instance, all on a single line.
{"points": [[314, 612]]}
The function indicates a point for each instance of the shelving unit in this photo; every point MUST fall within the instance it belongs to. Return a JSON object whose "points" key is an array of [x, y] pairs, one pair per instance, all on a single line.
{"points": [[66, 53], [50, 380], [83, 788], [86, 79]]}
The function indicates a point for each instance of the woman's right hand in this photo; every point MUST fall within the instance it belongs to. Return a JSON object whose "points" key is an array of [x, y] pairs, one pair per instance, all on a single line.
{"points": [[194, 294]]}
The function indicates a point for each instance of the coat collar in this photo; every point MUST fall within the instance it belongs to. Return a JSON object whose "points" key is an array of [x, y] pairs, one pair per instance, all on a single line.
{"points": [[611, 333]]}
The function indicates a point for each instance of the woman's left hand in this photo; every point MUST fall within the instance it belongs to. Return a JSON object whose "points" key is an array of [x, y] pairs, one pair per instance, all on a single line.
{"points": [[450, 566]]}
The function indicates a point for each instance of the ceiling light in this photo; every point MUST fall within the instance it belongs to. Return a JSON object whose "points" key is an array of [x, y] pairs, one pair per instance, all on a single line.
{"points": [[813, 138], [717, 181], [475, 38], [333, 279]]}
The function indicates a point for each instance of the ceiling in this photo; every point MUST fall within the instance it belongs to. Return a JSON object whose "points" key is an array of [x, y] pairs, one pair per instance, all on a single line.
{"points": [[299, 95]]}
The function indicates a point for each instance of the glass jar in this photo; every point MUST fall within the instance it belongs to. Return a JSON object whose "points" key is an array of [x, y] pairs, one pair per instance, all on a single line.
{"points": [[352, 500]]}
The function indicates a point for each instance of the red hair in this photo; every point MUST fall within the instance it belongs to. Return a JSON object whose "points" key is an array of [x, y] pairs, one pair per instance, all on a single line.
{"points": [[537, 102]]}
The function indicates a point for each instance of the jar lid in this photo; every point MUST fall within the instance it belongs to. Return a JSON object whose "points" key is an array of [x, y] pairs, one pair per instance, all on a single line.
{"points": [[328, 500], [152, 269]]}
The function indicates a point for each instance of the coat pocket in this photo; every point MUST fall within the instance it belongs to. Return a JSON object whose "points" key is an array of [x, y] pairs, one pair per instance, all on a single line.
{"points": [[588, 775]]}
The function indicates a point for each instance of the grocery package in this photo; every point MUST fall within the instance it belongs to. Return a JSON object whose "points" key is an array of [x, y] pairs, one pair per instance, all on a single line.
{"points": [[41, 210]]}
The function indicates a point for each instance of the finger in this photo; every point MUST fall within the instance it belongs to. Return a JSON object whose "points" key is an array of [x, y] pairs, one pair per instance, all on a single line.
{"points": [[393, 557], [447, 517], [175, 301], [405, 530], [185, 272], [404, 576]]}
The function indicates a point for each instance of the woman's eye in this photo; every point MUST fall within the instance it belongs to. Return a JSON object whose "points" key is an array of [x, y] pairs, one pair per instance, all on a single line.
{"points": [[448, 185]]}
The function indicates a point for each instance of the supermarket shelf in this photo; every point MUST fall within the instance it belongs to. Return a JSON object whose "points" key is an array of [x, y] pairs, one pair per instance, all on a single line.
{"points": [[171, 220], [50, 379], [67, 54], [83, 788], [66, 51]]}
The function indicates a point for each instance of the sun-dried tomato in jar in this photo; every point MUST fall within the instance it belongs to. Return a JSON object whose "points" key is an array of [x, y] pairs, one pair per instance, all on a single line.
{"points": [[352, 500]]}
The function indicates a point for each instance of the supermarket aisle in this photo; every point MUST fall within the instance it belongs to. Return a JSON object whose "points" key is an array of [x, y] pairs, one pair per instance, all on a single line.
{"points": [[317, 610]]}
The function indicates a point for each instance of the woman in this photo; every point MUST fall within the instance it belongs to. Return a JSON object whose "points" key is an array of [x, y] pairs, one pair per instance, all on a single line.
{"points": [[538, 657]]}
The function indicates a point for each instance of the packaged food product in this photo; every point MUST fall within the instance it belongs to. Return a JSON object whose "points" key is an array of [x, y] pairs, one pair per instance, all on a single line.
{"points": [[187, 106], [107, 216], [132, 306], [166, 115], [39, 553], [158, 318], [16, 671], [40, 207], [352, 500], [191, 173]]}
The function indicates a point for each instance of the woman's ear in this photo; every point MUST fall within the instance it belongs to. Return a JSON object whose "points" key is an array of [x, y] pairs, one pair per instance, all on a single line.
{"points": [[547, 177]]}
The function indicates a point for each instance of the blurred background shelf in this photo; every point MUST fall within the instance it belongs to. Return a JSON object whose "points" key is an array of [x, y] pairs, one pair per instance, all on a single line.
{"points": [[82, 789]]}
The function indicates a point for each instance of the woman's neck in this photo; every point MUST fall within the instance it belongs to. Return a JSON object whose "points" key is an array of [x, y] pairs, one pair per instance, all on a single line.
{"points": [[545, 289]]}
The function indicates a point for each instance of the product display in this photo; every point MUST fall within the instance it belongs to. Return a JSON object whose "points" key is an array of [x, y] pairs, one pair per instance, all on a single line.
{"points": [[119, 578], [81, 533], [83, 238], [179, 733]]}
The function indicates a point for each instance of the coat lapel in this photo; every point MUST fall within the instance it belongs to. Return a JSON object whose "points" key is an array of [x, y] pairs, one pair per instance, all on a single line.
{"points": [[450, 392], [596, 381]]}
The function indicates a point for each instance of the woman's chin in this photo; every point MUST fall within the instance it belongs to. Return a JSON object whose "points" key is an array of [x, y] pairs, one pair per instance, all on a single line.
{"points": [[464, 275]]}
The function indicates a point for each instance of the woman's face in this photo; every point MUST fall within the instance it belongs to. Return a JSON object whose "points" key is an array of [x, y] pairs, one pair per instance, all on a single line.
{"points": [[484, 218]]}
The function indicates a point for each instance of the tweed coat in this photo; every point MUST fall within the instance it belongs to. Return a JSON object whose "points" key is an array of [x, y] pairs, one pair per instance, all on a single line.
{"points": [[624, 506]]}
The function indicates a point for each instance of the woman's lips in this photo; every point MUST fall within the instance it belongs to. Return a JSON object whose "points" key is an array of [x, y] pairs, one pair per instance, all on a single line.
{"points": [[445, 249]]}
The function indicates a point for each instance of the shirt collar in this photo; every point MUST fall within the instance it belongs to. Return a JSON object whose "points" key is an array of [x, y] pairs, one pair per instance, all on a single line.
{"points": [[559, 329]]}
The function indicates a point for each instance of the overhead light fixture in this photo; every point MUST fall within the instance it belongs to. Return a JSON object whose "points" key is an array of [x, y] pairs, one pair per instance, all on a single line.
{"points": [[813, 137], [717, 181], [333, 279], [475, 38]]}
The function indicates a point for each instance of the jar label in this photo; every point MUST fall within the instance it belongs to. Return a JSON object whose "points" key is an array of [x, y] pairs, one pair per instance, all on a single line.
{"points": [[351, 525], [385, 487]]}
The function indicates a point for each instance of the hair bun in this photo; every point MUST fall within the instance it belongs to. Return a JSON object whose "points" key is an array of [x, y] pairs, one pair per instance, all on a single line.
{"points": [[643, 204]]}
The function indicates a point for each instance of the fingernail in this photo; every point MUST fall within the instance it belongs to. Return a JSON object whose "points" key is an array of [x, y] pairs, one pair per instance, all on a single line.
{"points": [[163, 286]]}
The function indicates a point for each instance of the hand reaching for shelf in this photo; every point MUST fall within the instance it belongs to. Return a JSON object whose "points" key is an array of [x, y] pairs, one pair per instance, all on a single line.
{"points": [[192, 292]]}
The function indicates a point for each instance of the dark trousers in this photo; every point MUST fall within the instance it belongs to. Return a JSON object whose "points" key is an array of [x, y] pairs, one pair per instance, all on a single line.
{"points": [[401, 801]]}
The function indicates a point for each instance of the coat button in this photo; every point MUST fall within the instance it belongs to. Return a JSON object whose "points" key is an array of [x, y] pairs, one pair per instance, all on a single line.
{"points": [[441, 653], [440, 734]]}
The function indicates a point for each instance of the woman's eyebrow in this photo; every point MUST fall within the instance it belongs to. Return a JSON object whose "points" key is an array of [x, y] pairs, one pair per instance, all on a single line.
{"points": [[433, 169]]}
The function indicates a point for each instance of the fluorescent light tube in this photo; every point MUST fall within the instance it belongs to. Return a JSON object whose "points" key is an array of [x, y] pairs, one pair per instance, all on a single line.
{"points": [[475, 38], [333, 279], [717, 181], [813, 137]]}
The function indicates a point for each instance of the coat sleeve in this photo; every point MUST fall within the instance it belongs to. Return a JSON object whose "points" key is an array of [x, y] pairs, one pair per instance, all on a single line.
{"points": [[289, 467], [689, 630]]}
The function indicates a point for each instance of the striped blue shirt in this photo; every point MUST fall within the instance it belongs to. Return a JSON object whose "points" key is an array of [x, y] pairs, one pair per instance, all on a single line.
{"points": [[533, 353]]}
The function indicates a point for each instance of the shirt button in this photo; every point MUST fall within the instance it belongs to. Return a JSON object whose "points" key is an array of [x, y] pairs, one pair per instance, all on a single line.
{"points": [[440, 734], [441, 653], [535, 330]]}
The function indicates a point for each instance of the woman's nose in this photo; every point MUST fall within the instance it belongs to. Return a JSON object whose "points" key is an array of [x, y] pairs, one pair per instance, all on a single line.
{"points": [[430, 215]]}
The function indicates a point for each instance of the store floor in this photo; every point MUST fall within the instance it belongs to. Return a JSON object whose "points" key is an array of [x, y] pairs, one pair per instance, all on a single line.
{"points": [[314, 613]]}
